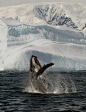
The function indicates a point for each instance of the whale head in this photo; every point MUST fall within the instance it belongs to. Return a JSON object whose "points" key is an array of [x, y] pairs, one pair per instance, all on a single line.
{"points": [[34, 64]]}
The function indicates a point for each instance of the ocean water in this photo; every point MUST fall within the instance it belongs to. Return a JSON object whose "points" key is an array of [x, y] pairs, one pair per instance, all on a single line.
{"points": [[68, 95]]}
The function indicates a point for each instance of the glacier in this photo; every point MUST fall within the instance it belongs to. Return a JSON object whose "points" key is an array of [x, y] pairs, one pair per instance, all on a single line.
{"points": [[62, 44], [3, 42]]}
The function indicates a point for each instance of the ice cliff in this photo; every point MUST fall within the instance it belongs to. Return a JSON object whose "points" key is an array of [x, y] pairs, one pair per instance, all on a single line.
{"points": [[3, 42], [66, 48], [51, 34]]}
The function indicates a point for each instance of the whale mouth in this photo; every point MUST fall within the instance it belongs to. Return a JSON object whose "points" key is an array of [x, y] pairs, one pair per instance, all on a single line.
{"points": [[35, 64], [35, 60]]}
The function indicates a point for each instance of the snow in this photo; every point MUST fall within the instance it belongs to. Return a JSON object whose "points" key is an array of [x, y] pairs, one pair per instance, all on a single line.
{"points": [[3, 42], [24, 31], [68, 14], [63, 47]]}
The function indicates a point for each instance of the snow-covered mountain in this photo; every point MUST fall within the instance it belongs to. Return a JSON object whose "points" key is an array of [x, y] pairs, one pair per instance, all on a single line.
{"points": [[68, 14], [51, 33], [54, 15]]}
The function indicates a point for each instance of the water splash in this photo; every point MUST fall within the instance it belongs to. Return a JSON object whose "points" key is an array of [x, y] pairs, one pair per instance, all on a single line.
{"points": [[62, 83], [29, 89]]}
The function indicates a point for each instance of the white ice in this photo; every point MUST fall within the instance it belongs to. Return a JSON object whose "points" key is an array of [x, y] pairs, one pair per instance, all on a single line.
{"points": [[3, 42], [62, 45], [36, 14]]}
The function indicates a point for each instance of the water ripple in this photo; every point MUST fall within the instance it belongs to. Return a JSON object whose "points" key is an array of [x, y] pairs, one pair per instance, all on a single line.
{"points": [[13, 98]]}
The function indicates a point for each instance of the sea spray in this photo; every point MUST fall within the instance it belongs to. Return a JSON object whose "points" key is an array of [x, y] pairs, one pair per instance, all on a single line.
{"points": [[62, 83]]}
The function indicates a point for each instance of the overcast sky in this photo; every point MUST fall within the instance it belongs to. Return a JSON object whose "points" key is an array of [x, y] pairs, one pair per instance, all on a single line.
{"points": [[18, 2]]}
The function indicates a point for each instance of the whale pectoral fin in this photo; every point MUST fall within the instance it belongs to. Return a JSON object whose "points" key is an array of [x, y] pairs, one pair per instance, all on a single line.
{"points": [[41, 70]]}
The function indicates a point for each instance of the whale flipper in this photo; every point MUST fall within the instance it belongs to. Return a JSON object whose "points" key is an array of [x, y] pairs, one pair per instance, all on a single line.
{"points": [[42, 69]]}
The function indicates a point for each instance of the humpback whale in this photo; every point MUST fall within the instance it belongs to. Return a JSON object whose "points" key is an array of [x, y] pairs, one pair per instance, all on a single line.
{"points": [[38, 79]]}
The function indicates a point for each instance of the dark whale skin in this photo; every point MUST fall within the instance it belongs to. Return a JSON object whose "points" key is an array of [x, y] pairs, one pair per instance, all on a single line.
{"points": [[38, 80]]}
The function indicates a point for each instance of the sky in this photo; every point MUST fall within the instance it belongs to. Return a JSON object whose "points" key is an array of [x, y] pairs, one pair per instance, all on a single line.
{"points": [[19, 2]]}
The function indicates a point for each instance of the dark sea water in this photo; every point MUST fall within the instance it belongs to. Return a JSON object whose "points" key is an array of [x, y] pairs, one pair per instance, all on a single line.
{"points": [[68, 95]]}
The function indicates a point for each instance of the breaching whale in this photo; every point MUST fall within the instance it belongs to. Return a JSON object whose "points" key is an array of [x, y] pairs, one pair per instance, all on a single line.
{"points": [[38, 79]]}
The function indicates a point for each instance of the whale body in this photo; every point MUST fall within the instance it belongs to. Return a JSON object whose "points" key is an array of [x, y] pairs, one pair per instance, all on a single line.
{"points": [[38, 79]]}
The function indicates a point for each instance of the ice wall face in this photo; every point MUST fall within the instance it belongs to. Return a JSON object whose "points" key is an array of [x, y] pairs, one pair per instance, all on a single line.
{"points": [[3, 42], [51, 33], [23, 34], [66, 48]]}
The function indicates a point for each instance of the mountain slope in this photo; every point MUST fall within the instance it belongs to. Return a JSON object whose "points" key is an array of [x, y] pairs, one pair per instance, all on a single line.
{"points": [[69, 14]]}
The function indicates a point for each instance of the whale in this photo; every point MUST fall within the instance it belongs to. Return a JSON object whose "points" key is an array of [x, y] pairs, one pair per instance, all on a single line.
{"points": [[37, 76]]}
